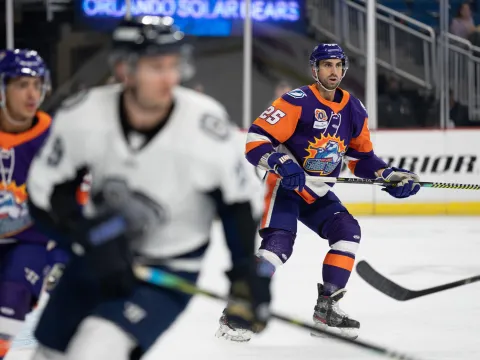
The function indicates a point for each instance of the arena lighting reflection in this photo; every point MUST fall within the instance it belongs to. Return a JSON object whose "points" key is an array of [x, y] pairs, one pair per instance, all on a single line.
{"points": [[263, 11]]}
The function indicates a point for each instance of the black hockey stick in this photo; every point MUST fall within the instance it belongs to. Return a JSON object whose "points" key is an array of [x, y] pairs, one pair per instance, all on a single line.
{"points": [[389, 288], [351, 180], [164, 279]]}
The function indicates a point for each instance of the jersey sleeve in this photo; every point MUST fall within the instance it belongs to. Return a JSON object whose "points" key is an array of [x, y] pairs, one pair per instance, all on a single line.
{"points": [[360, 156], [273, 127], [236, 191], [239, 202], [61, 161]]}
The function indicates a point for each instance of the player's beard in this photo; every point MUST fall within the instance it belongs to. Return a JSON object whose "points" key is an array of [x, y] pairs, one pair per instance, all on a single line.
{"points": [[329, 87]]}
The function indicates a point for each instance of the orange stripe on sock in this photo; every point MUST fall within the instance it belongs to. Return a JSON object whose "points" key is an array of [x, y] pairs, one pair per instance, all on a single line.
{"points": [[340, 261], [4, 346]]}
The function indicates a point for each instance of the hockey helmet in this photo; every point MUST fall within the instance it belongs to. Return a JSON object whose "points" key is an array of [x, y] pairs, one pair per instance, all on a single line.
{"points": [[150, 36], [22, 62], [328, 51]]}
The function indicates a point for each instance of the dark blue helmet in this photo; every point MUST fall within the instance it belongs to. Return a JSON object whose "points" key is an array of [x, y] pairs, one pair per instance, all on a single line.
{"points": [[328, 51], [22, 62]]}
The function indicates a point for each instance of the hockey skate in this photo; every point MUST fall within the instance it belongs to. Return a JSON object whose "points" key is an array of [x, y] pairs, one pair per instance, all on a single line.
{"points": [[328, 316], [233, 331]]}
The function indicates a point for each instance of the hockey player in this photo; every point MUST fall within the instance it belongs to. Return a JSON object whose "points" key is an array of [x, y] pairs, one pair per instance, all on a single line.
{"points": [[25, 257], [164, 161], [307, 132]]}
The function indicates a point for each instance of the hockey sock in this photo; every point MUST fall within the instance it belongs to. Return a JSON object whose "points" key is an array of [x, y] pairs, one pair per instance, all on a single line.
{"points": [[337, 268], [265, 267]]}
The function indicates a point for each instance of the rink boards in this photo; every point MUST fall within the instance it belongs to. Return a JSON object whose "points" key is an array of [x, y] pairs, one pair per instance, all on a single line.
{"points": [[435, 155]]}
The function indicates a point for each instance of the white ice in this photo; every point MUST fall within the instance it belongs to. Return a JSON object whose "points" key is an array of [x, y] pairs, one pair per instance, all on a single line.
{"points": [[416, 252]]}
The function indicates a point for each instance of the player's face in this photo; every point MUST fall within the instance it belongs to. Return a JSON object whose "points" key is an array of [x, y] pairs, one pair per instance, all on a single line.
{"points": [[330, 73], [156, 77], [23, 95]]}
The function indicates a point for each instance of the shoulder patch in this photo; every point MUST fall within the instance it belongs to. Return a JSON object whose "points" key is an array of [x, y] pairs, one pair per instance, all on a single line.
{"points": [[297, 94], [215, 127]]}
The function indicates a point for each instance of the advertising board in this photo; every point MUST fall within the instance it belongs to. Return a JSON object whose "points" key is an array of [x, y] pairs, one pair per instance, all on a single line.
{"points": [[451, 156]]}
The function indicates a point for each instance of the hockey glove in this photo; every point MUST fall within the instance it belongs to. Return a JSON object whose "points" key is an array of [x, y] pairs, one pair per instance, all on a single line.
{"points": [[105, 243], [404, 182], [249, 304], [292, 174]]}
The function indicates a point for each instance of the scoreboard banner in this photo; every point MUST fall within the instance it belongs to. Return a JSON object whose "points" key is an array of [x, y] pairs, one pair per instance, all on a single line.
{"points": [[197, 17]]}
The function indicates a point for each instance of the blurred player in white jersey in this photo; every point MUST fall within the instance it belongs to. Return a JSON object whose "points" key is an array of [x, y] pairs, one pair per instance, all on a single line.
{"points": [[165, 161]]}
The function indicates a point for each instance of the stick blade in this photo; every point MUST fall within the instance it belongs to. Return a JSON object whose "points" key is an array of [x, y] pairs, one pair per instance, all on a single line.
{"points": [[381, 283]]}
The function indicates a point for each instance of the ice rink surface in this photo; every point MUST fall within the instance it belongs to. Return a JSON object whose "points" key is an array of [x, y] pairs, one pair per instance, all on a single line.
{"points": [[416, 252]]}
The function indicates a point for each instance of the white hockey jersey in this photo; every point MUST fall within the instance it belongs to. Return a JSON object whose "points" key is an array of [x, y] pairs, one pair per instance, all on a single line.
{"points": [[196, 152]]}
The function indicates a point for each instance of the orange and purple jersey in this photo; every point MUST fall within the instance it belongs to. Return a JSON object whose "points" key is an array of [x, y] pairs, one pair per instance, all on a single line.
{"points": [[16, 154], [316, 132]]}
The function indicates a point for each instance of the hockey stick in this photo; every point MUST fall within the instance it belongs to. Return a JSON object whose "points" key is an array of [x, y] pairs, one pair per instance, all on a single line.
{"points": [[348, 180], [389, 288], [164, 279]]}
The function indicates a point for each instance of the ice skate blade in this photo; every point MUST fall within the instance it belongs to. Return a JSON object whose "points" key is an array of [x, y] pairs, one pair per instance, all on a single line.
{"points": [[349, 333], [236, 335]]}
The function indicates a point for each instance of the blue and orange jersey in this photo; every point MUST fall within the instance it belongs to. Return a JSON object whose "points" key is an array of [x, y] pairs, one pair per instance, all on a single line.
{"points": [[17, 151], [317, 132]]}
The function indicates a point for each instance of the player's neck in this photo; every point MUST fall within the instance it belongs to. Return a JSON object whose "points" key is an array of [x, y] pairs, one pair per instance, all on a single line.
{"points": [[14, 128], [140, 118], [327, 95]]}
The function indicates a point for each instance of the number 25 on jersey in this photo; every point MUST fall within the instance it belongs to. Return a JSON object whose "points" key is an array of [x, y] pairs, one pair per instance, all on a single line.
{"points": [[272, 115]]}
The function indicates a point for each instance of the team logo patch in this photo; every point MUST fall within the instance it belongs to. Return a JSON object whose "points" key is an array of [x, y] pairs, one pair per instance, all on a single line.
{"points": [[215, 127], [321, 119], [320, 115], [14, 214], [297, 94], [324, 154]]}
